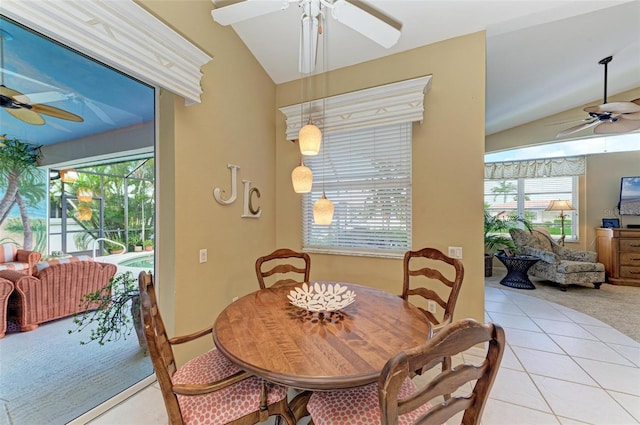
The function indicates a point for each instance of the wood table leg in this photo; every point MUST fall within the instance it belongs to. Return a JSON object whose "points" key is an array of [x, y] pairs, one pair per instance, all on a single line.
{"points": [[298, 405]]}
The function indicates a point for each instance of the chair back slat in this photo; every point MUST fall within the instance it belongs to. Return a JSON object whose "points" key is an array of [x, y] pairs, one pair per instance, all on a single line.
{"points": [[425, 267], [453, 339], [285, 262]]}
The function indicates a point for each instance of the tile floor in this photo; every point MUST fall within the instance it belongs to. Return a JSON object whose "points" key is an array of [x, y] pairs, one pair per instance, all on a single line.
{"points": [[560, 367]]}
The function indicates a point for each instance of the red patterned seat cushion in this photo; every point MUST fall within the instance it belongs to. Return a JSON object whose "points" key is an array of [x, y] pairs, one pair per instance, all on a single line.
{"points": [[357, 406], [225, 405]]}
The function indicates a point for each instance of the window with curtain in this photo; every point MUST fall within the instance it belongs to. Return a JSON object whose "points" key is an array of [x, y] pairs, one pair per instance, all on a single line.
{"points": [[366, 173], [527, 187]]}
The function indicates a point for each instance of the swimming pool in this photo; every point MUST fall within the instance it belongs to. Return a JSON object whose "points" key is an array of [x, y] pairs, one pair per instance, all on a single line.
{"points": [[144, 261]]}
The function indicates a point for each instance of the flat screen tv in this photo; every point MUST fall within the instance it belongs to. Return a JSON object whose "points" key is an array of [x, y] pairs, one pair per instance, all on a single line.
{"points": [[629, 196]]}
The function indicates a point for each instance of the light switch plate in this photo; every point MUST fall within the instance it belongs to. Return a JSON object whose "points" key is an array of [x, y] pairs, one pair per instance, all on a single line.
{"points": [[203, 256]]}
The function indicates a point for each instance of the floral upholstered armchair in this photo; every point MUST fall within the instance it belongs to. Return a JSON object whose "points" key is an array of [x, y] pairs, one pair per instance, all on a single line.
{"points": [[19, 260], [558, 264]]}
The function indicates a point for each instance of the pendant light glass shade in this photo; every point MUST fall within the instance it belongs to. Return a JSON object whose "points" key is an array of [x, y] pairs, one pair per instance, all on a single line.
{"points": [[323, 211], [302, 178], [84, 195], [309, 139], [68, 176], [84, 213]]}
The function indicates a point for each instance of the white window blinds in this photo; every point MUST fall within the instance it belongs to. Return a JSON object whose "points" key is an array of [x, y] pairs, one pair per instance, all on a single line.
{"points": [[367, 175]]}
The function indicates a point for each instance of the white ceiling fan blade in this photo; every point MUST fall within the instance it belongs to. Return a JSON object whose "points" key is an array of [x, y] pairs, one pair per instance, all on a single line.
{"points": [[308, 44], [365, 23], [99, 112], [614, 108], [237, 12], [617, 127], [577, 128]]}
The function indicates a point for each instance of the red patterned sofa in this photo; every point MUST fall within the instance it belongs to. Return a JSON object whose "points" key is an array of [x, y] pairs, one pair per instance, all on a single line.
{"points": [[20, 260], [55, 289]]}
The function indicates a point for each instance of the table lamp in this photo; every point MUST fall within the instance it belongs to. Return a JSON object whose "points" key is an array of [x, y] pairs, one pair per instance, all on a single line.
{"points": [[562, 206]]}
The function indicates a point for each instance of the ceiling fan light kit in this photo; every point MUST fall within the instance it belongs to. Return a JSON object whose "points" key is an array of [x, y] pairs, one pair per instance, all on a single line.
{"points": [[608, 117]]}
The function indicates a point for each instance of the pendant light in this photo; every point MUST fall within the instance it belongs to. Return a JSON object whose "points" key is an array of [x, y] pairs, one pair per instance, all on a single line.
{"points": [[309, 136], [323, 211], [323, 207], [302, 178]]}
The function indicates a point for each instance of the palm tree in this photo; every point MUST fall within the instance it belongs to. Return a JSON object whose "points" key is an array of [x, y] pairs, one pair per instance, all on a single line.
{"points": [[503, 188], [24, 182]]}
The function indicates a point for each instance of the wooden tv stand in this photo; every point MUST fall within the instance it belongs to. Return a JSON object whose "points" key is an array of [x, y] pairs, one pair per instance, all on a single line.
{"points": [[619, 251]]}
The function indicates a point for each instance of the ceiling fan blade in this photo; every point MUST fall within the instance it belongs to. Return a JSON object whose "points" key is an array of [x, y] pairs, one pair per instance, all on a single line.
{"points": [[238, 12], [56, 112], [365, 23], [633, 117], [26, 115], [6, 91], [617, 127], [577, 128], [614, 108]]}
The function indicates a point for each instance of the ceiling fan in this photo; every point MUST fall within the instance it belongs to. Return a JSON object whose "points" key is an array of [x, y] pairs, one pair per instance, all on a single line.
{"points": [[374, 27], [19, 105], [609, 117]]}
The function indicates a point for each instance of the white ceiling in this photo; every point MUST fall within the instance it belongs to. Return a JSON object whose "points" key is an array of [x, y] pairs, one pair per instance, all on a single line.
{"points": [[542, 55]]}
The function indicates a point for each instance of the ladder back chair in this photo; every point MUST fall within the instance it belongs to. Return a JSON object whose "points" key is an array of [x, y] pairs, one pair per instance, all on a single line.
{"points": [[426, 264], [283, 262], [397, 399], [208, 389]]}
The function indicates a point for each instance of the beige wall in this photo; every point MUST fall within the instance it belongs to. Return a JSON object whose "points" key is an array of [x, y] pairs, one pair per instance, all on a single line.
{"points": [[233, 125], [447, 177], [238, 123]]}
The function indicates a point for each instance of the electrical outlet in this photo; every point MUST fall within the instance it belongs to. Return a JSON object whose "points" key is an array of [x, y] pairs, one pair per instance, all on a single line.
{"points": [[203, 256], [455, 252], [431, 306]]}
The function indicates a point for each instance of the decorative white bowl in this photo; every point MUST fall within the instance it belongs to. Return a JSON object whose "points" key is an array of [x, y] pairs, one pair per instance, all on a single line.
{"points": [[321, 296]]}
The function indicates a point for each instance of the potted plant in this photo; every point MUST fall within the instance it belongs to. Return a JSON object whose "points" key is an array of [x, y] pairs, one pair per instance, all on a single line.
{"points": [[113, 248], [496, 237], [135, 244], [148, 245], [114, 312]]}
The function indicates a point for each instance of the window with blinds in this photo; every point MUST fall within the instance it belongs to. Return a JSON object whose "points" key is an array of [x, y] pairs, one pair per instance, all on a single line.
{"points": [[367, 176], [530, 197]]}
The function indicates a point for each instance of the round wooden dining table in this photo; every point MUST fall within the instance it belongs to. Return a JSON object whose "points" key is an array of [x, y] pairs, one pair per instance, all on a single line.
{"points": [[264, 334]]}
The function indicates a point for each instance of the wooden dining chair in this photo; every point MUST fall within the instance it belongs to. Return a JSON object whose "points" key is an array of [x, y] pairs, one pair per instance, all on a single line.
{"points": [[424, 283], [283, 262], [208, 389], [397, 399], [426, 286]]}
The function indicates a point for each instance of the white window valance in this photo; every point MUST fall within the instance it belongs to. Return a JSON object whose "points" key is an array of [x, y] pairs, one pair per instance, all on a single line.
{"points": [[383, 105], [120, 34], [535, 168]]}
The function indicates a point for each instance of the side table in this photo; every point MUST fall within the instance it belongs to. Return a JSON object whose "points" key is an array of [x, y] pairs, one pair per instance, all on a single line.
{"points": [[517, 268]]}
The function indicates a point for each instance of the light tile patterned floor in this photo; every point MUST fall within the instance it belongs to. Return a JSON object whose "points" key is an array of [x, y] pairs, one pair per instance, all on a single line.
{"points": [[560, 367]]}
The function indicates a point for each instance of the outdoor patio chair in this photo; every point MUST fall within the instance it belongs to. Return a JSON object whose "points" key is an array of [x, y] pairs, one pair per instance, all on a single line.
{"points": [[283, 261], [397, 399], [20, 260], [209, 388]]}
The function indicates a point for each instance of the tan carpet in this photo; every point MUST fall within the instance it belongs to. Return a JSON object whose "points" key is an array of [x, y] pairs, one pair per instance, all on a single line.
{"points": [[617, 306]]}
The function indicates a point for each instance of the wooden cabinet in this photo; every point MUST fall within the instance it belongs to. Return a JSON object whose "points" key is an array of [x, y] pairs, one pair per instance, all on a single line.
{"points": [[619, 251]]}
